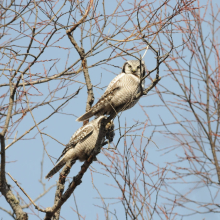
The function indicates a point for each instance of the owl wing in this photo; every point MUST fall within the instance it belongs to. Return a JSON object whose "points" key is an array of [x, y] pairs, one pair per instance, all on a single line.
{"points": [[113, 83], [112, 88], [79, 136], [105, 98]]}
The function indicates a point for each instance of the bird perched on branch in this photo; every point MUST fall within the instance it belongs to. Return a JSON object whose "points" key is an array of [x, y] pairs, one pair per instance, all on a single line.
{"points": [[120, 93], [82, 143]]}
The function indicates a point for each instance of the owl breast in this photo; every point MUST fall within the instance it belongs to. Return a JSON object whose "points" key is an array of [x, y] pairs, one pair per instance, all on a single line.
{"points": [[130, 87], [84, 149]]}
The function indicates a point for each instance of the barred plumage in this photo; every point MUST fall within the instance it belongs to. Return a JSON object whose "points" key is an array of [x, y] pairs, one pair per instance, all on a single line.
{"points": [[120, 93], [80, 145]]}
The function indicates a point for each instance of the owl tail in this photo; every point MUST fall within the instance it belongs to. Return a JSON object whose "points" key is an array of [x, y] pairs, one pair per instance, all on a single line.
{"points": [[85, 116], [57, 167]]}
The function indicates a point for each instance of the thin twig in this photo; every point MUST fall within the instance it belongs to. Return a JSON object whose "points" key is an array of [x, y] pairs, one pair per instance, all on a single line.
{"points": [[36, 207]]}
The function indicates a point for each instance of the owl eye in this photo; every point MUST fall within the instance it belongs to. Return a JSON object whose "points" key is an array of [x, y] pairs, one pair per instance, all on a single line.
{"points": [[138, 67], [129, 65]]}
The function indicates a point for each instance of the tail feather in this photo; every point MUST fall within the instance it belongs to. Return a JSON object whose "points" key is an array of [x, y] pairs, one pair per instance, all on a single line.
{"points": [[85, 116], [57, 167]]}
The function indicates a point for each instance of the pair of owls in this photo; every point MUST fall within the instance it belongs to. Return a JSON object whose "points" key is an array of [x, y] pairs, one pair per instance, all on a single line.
{"points": [[119, 96]]}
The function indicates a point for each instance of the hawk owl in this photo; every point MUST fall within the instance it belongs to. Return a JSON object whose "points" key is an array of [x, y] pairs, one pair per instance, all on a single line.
{"points": [[82, 143], [120, 93]]}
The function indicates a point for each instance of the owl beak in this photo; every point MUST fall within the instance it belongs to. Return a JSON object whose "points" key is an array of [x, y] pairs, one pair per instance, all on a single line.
{"points": [[133, 70]]}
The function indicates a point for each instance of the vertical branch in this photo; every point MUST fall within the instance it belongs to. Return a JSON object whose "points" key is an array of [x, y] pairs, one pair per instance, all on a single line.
{"points": [[2, 134], [11, 102], [60, 187], [81, 52], [4, 187], [90, 98]]}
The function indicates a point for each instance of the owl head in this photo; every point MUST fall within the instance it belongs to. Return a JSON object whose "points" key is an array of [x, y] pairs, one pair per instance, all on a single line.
{"points": [[134, 67]]}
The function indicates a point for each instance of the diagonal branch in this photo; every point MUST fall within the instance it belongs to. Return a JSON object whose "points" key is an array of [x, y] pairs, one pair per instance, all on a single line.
{"points": [[36, 207]]}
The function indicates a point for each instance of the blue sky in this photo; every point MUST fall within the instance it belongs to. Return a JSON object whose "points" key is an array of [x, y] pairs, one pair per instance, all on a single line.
{"points": [[24, 158]]}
